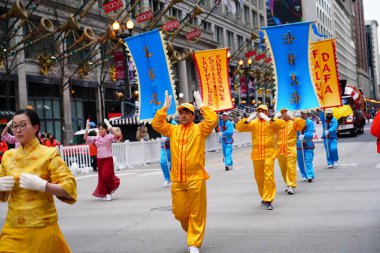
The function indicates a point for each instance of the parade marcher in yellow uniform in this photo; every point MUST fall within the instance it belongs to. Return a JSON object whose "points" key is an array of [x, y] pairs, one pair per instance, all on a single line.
{"points": [[287, 148], [263, 150], [30, 177], [188, 174]]}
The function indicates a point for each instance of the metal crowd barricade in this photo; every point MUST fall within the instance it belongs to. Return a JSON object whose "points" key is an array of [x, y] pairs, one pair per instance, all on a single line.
{"points": [[128, 154], [77, 158]]}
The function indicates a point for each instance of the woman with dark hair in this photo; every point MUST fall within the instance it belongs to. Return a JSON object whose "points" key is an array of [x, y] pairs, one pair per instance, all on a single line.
{"points": [[30, 176], [51, 141], [107, 181]]}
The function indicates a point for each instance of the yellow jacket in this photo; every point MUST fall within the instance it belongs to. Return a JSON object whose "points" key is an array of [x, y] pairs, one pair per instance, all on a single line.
{"points": [[287, 137], [263, 136], [187, 144], [27, 208]]}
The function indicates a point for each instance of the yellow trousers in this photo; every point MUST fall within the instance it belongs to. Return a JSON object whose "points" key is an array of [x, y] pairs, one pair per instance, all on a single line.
{"points": [[288, 169], [264, 176], [31, 240], [190, 208]]}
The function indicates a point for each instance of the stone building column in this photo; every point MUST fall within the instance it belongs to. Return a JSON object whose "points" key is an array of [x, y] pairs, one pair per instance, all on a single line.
{"points": [[183, 80]]}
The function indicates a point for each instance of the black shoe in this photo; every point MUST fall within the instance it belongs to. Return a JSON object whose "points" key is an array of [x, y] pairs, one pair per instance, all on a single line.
{"points": [[227, 168], [262, 203], [309, 180], [268, 205]]}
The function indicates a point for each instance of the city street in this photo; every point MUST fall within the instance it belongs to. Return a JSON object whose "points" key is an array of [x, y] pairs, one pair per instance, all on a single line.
{"points": [[338, 212]]}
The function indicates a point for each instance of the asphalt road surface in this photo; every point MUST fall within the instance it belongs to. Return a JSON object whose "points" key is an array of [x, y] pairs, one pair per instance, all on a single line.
{"points": [[338, 212]]}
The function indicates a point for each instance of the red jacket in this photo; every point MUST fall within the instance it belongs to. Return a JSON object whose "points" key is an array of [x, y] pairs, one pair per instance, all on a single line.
{"points": [[3, 148], [375, 130]]}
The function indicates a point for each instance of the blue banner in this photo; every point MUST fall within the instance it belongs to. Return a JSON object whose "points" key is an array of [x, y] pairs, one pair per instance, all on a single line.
{"points": [[289, 46], [153, 73]]}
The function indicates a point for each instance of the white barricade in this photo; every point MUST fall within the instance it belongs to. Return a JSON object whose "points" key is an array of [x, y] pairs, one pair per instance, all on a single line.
{"points": [[128, 154], [77, 158]]}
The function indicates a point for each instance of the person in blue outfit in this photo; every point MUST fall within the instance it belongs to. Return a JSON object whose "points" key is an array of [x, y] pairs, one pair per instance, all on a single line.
{"points": [[165, 160], [330, 138], [225, 137], [305, 148]]}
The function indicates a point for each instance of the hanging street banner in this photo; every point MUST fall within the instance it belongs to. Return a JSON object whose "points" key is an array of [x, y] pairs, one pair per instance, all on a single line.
{"points": [[119, 60], [325, 73], [289, 46], [154, 75], [212, 68]]}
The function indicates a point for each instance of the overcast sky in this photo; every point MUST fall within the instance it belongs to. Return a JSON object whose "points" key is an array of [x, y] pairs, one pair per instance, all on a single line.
{"points": [[371, 11]]}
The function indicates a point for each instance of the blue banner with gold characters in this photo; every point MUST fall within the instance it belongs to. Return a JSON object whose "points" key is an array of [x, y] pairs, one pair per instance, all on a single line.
{"points": [[289, 45], [154, 75]]}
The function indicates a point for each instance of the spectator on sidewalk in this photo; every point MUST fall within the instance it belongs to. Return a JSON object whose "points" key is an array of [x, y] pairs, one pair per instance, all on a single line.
{"points": [[8, 138], [142, 133]]}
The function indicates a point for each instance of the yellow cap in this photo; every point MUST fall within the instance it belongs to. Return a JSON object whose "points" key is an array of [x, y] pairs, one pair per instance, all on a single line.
{"points": [[187, 106], [264, 107], [283, 110]]}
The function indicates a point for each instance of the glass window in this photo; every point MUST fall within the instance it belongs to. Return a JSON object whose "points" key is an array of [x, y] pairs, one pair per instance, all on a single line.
{"points": [[240, 40], [40, 108], [56, 109], [48, 109], [49, 127], [246, 16], [176, 13], [57, 130], [230, 40], [254, 19], [206, 26], [262, 22], [218, 34]]}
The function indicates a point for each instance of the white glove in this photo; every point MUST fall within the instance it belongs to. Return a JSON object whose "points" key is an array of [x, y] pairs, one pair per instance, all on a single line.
{"points": [[109, 126], [264, 117], [87, 124], [251, 117], [327, 132], [198, 99], [301, 137], [6, 183], [32, 182], [168, 100], [9, 123], [277, 115], [290, 114]]}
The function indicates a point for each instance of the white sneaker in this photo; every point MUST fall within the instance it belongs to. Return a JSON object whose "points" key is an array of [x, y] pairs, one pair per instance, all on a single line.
{"points": [[330, 166], [336, 164], [287, 189], [193, 249], [166, 183], [108, 197], [290, 190]]}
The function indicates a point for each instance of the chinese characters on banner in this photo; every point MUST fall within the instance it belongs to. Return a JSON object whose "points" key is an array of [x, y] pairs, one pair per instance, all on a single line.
{"points": [[212, 67], [324, 69], [154, 76], [290, 48]]}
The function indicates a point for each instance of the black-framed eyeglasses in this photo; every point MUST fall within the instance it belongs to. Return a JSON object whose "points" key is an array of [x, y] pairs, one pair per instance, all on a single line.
{"points": [[21, 126]]}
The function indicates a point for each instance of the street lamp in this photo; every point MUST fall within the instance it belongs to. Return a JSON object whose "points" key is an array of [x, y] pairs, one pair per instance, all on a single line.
{"points": [[180, 100], [119, 30]]}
